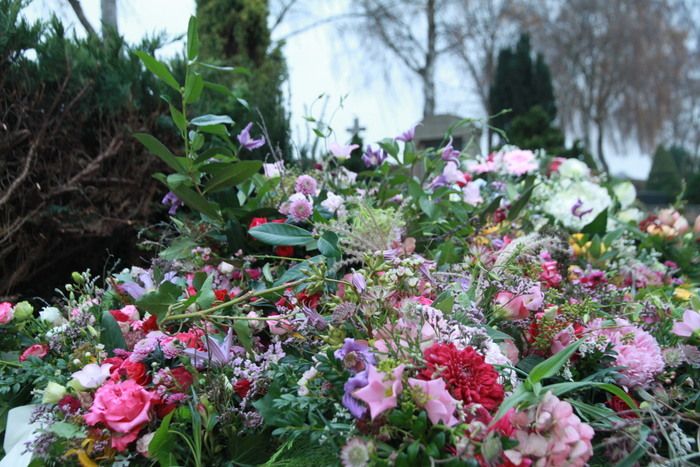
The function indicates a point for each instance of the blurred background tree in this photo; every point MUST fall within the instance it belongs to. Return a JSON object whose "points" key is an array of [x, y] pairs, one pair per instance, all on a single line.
{"points": [[236, 33]]}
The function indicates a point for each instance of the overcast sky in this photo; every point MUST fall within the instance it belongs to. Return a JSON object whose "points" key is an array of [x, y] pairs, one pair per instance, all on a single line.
{"points": [[321, 61]]}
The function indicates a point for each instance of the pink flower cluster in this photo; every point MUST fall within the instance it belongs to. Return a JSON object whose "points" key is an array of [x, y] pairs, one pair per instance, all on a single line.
{"points": [[550, 435], [637, 351]]}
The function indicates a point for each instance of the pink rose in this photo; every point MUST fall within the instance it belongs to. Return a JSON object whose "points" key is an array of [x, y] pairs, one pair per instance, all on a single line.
{"points": [[123, 408], [519, 306], [279, 327], [562, 339], [36, 350], [6, 313]]}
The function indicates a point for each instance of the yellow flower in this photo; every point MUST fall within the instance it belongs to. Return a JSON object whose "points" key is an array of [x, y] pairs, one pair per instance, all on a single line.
{"points": [[682, 294]]}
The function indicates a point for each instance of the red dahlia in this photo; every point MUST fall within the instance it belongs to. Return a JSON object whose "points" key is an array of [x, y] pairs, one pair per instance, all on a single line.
{"points": [[469, 378]]}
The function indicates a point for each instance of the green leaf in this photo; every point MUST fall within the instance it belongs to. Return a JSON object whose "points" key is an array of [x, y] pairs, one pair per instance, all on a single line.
{"points": [[178, 118], [299, 270], [228, 175], [519, 204], [159, 149], [281, 234], [67, 430], [192, 39], [179, 249], [562, 388], [520, 395], [328, 245], [598, 225], [194, 84], [209, 119], [444, 302], [244, 334], [491, 208], [196, 201], [497, 335], [111, 335], [631, 459], [427, 206], [390, 146], [205, 295], [157, 302], [553, 364], [221, 89], [162, 444], [159, 69]]}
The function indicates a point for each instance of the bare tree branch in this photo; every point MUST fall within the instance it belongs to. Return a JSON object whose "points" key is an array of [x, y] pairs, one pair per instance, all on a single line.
{"points": [[78, 9]]}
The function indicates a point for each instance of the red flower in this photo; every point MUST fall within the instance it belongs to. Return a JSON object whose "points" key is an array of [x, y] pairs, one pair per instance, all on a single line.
{"points": [[119, 316], [285, 251], [183, 378], [242, 387], [136, 371], [69, 404], [469, 378], [150, 324], [256, 221], [221, 295], [621, 407], [36, 350]]}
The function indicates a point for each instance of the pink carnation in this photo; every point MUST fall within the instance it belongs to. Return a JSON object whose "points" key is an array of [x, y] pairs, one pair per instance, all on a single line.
{"points": [[637, 351], [298, 207], [550, 435], [519, 162], [305, 185], [123, 408]]}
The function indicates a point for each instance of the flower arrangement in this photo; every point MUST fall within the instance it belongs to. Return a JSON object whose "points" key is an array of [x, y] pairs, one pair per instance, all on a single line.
{"points": [[505, 310]]}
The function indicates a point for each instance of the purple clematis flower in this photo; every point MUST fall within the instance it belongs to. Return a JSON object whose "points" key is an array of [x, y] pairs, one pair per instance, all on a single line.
{"points": [[171, 199], [355, 355], [373, 157], [407, 135], [217, 353], [356, 408], [450, 154], [577, 209], [247, 141]]}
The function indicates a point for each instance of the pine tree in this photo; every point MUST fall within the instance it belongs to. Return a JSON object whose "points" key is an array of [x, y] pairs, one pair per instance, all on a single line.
{"points": [[664, 176], [519, 85], [235, 33]]}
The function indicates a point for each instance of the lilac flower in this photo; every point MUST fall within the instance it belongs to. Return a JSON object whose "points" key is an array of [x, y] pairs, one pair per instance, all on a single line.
{"points": [[449, 154], [407, 135], [145, 282], [315, 318], [342, 151], [355, 355], [358, 281], [356, 408], [373, 157], [306, 185], [577, 210], [170, 199], [247, 141], [689, 326], [217, 353]]}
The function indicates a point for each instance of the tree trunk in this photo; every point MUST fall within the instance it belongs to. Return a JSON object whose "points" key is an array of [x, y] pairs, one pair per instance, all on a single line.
{"points": [[78, 9], [428, 74], [601, 156], [109, 15]]}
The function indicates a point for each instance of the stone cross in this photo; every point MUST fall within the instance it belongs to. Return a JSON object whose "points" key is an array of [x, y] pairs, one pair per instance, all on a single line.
{"points": [[356, 128]]}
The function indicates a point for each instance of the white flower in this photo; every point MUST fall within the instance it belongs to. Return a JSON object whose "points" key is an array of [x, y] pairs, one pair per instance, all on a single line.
{"points": [[332, 202], [573, 168], [273, 170], [625, 194], [630, 215], [578, 204], [92, 375], [52, 315], [53, 393], [225, 268]]}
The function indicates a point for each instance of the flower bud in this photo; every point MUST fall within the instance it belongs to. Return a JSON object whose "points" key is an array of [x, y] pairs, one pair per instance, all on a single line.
{"points": [[23, 311], [53, 393], [77, 278]]}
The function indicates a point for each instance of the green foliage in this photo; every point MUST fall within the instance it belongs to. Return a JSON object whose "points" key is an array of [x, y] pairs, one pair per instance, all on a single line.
{"points": [[520, 84], [533, 129], [235, 33], [664, 176]]}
